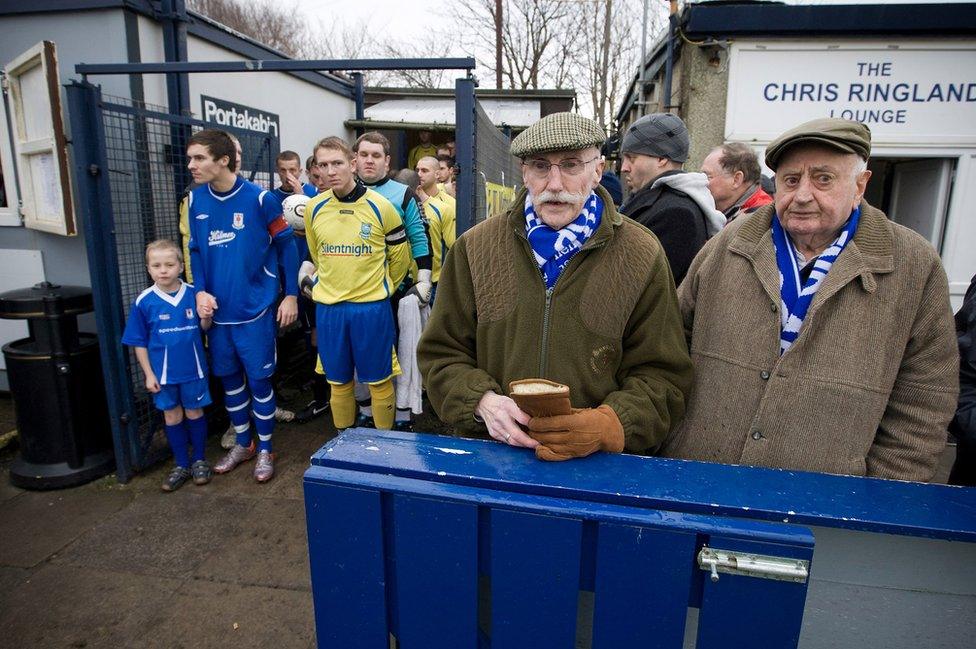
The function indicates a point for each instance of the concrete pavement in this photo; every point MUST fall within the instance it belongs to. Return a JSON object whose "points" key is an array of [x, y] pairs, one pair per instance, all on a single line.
{"points": [[110, 565]]}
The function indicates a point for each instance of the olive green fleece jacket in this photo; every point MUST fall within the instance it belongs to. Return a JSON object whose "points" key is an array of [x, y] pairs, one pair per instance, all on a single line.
{"points": [[610, 329]]}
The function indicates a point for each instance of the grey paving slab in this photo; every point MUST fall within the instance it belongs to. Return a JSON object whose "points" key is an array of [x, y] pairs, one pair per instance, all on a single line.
{"points": [[204, 614], [7, 490], [845, 615], [162, 534], [69, 606], [270, 551], [37, 524], [292, 463], [10, 578]]}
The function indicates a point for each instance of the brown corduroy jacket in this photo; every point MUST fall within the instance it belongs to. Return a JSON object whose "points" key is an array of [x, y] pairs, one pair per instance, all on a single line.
{"points": [[868, 387], [610, 329]]}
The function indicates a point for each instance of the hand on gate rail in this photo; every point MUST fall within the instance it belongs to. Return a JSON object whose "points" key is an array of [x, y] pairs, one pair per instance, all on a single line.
{"points": [[502, 417]]}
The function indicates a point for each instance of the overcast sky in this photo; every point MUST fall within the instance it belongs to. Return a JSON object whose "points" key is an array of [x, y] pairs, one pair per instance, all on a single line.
{"points": [[406, 21]]}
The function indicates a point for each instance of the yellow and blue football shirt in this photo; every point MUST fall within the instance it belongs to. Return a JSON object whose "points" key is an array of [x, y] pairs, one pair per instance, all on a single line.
{"points": [[441, 210], [358, 244]]}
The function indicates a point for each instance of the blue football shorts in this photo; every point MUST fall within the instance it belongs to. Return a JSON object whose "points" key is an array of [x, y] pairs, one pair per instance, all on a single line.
{"points": [[190, 394], [250, 346], [355, 336]]}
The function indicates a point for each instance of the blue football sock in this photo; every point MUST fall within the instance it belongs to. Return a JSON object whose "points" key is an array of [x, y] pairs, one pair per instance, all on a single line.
{"points": [[179, 442], [263, 408], [237, 398], [198, 436]]}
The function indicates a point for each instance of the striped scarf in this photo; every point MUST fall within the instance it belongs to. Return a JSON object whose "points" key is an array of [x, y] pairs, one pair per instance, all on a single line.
{"points": [[795, 298], [554, 248]]}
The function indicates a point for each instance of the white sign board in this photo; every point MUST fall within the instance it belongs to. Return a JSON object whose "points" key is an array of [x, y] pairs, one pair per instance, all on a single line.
{"points": [[907, 93], [18, 269]]}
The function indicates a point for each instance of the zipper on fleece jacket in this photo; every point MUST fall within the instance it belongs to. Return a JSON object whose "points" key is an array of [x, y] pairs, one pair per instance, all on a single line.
{"points": [[544, 356], [544, 352]]}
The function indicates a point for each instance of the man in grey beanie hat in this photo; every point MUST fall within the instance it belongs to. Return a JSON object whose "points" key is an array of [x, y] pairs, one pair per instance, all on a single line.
{"points": [[564, 292], [674, 204]]}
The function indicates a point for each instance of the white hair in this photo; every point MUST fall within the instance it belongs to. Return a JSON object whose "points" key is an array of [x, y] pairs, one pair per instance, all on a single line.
{"points": [[860, 166]]}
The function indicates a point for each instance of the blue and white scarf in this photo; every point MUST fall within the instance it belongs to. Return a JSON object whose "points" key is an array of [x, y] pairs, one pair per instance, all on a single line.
{"points": [[794, 298], [554, 248]]}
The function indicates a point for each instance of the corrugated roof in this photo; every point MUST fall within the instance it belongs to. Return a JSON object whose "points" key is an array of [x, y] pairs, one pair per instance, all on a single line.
{"points": [[516, 113]]}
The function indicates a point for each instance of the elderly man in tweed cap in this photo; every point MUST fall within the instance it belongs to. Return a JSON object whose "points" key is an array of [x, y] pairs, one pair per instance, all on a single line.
{"points": [[564, 291], [820, 331]]}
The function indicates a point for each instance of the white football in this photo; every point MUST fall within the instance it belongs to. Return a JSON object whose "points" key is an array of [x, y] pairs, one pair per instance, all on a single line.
{"points": [[294, 211]]}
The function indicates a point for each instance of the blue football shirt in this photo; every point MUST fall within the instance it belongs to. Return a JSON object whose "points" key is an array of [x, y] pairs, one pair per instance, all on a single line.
{"points": [[168, 326], [234, 258]]}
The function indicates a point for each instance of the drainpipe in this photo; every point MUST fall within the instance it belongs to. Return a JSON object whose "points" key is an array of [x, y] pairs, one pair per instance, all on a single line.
{"points": [[669, 66], [642, 101]]}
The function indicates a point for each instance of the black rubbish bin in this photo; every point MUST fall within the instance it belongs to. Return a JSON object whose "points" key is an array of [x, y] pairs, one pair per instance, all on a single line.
{"points": [[56, 380]]}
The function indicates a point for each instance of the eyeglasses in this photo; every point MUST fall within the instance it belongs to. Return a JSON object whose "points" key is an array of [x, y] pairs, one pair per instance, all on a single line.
{"points": [[569, 166]]}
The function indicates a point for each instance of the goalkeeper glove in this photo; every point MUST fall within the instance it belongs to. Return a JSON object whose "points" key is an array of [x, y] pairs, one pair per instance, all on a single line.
{"points": [[307, 277], [422, 287]]}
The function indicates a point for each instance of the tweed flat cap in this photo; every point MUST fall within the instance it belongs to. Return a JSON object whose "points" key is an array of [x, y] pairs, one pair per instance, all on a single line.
{"points": [[558, 132], [660, 135], [841, 134]]}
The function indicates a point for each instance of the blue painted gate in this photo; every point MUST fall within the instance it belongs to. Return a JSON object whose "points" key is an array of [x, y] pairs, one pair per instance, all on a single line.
{"points": [[438, 542]]}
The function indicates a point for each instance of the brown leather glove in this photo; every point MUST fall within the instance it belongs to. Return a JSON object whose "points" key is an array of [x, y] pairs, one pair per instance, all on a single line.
{"points": [[540, 398], [579, 434]]}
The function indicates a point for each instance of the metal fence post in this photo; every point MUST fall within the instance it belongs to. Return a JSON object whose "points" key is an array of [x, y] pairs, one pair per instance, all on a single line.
{"points": [[464, 109], [360, 92], [95, 210]]}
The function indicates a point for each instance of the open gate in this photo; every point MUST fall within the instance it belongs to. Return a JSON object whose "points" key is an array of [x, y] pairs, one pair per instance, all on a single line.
{"points": [[131, 172]]}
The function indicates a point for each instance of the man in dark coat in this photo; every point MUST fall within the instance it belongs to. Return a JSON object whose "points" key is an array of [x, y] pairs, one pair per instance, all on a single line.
{"points": [[963, 426], [674, 204]]}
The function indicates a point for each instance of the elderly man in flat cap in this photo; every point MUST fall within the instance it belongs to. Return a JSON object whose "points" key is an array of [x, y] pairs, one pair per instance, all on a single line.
{"points": [[674, 204], [563, 290], [820, 331]]}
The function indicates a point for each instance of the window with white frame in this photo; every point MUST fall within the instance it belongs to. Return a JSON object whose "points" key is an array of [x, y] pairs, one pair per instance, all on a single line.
{"points": [[39, 141]]}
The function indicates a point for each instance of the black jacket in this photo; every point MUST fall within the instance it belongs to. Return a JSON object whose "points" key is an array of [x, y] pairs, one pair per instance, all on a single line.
{"points": [[964, 424], [676, 220]]}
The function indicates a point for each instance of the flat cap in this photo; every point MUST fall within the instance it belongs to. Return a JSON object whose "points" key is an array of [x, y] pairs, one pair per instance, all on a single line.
{"points": [[660, 135], [558, 132], [841, 134]]}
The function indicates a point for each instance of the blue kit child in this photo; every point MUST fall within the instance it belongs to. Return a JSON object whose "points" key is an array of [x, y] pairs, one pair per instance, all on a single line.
{"points": [[164, 329]]}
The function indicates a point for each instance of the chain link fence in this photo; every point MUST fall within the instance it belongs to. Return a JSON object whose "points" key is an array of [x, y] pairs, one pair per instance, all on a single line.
{"points": [[497, 172]]}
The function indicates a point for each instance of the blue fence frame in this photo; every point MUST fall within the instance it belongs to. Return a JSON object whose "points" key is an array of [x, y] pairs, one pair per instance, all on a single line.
{"points": [[447, 542], [95, 200], [465, 133], [406, 530]]}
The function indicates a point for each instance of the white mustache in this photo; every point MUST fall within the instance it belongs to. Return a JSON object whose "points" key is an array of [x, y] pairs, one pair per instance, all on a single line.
{"points": [[561, 197]]}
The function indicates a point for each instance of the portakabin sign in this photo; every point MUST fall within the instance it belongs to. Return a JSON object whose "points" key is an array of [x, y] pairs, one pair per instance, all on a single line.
{"points": [[227, 113]]}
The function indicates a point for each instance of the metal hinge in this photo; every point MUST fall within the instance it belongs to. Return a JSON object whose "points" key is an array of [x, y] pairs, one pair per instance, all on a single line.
{"points": [[753, 565]]}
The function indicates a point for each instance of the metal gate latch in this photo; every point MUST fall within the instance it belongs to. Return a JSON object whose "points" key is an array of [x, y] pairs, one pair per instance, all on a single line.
{"points": [[753, 565]]}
